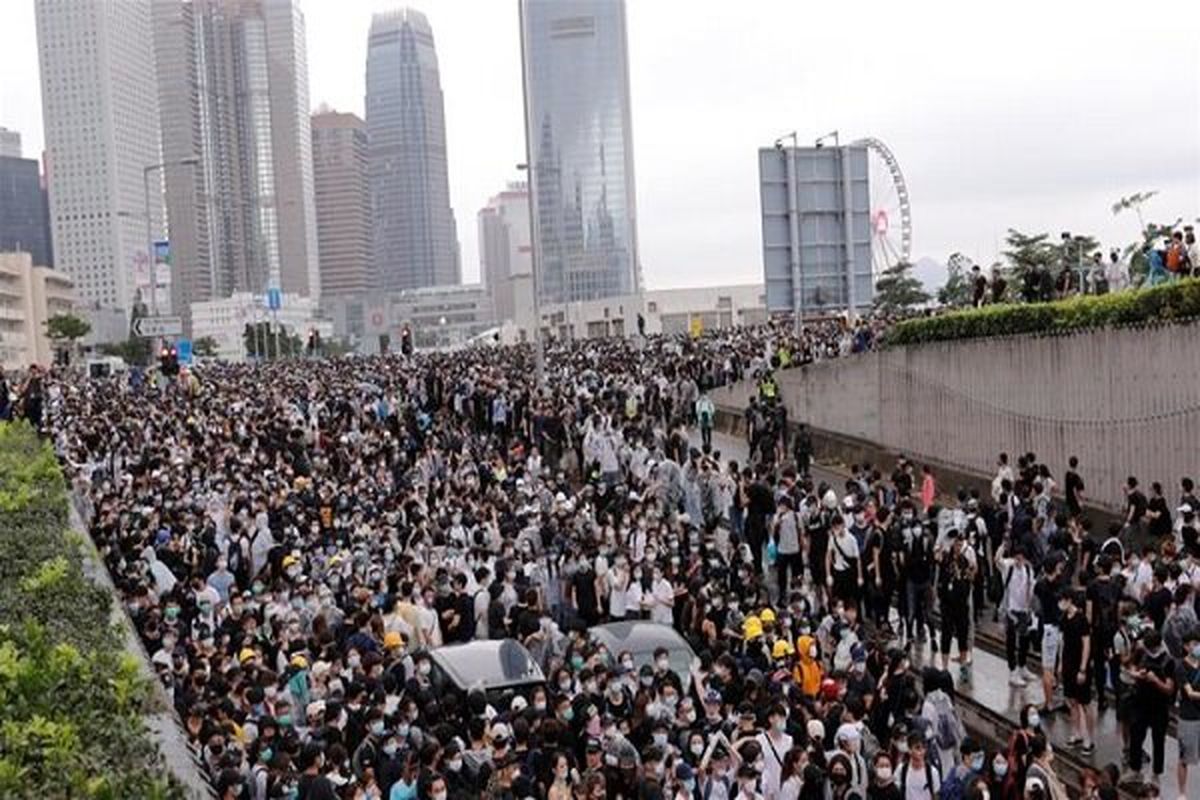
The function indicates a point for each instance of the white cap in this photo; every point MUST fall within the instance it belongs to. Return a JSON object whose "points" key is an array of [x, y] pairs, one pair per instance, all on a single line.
{"points": [[519, 704], [847, 732], [816, 729]]}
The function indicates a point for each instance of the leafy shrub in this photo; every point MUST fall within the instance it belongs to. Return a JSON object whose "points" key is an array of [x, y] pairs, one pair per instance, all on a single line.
{"points": [[1170, 302], [72, 702]]}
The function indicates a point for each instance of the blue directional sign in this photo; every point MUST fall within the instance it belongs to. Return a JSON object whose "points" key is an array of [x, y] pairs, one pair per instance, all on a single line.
{"points": [[274, 299], [183, 349]]}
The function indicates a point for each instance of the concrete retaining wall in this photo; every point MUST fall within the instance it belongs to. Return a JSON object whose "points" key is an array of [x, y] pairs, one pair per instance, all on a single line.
{"points": [[1125, 401]]}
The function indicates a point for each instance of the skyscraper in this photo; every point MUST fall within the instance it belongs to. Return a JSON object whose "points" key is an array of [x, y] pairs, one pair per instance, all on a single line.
{"points": [[233, 88], [100, 115], [24, 226], [343, 203], [415, 241], [579, 141], [504, 251], [10, 143]]}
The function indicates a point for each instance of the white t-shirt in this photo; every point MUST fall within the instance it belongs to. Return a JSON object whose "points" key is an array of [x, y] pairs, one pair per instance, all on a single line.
{"points": [[843, 546], [774, 752], [916, 782], [616, 593], [1020, 585], [664, 599]]}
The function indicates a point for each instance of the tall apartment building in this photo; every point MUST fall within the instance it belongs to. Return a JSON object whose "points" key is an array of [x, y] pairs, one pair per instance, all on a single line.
{"points": [[29, 296], [579, 139], [100, 115], [233, 88], [415, 241], [343, 203], [24, 222], [505, 262]]}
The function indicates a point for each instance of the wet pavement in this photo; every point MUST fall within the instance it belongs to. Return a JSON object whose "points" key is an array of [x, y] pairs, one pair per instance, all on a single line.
{"points": [[987, 682]]}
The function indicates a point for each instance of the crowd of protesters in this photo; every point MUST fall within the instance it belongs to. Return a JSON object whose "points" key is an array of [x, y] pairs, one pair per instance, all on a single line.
{"points": [[292, 539], [1173, 256]]}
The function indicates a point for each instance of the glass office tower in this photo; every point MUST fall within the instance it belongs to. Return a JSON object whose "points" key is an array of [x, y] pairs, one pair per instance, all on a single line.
{"points": [[580, 144], [415, 237]]}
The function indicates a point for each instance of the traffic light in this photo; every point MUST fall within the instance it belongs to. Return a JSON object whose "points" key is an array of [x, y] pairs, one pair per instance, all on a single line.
{"points": [[311, 347], [406, 343], [168, 361]]}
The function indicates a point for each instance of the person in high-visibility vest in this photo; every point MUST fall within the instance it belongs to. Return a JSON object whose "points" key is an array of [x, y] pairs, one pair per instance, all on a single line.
{"points": [[767, 389]]}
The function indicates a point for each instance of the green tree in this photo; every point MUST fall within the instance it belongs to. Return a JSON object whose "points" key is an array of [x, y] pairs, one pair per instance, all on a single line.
{"points": [[1073, 252], [1134, 202], [897, 290], [133, 350], [260, 341], [67, 327], [65, 330], [956, 291], [1028, 252], [205, 347]]}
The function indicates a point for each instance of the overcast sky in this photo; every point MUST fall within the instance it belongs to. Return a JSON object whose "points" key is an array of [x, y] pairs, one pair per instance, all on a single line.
{"points": [[1035, 115]]}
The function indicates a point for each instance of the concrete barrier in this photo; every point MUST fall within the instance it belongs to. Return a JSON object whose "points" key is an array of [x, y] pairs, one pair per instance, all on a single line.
{"points": [[1125, 401]]}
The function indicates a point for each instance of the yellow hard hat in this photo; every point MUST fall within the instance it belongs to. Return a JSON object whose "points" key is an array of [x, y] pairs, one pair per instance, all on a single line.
{"points": [[782, 649], [246, 655], [289, 560], [767, 615], [299, 661], [752, 628], [392, 639]]}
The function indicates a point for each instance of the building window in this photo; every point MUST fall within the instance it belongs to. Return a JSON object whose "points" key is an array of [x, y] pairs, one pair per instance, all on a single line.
{"points": [[652, 307], [724, 302]]}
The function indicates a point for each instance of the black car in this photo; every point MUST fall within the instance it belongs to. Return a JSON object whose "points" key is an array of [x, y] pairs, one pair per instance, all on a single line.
{"points": [[641, 639], [497, 666]]}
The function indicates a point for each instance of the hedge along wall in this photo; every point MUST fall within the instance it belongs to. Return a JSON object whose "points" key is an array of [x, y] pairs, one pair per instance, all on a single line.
{"points": [[1126, 401], [1179, 300], [72, 700]]}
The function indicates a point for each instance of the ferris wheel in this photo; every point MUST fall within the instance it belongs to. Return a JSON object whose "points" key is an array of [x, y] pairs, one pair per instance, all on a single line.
{"points": [[891, 216]]}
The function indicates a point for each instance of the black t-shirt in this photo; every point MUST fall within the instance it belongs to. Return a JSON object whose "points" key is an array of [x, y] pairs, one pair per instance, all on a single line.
{"points": [[1161, 665], [1161, 525], [584, 584], [1074, 629], [919, 556], [874, 543], [316, 787], [1073, 485], [1048, 592], [1157, 604], [1104, 594], [1187, 675], [1137, 501]]}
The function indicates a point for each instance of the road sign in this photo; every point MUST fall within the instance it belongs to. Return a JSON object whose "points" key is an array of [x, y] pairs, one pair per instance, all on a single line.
{"points": [[183, 350], [274, 299], [148, 327], [697, 327]]}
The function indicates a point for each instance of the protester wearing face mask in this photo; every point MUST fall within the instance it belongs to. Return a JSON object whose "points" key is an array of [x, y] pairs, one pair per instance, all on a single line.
{"points": [[775, 744], [883, 785], [840, 780]]}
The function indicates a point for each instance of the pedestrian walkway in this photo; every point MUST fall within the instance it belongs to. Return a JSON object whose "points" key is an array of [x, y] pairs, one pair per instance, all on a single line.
{"points": [[988, 681]]}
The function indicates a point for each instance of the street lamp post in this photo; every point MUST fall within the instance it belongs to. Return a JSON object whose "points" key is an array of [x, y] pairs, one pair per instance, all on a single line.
{"points": [[539, 355], [794, 231], [146, 171]]}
